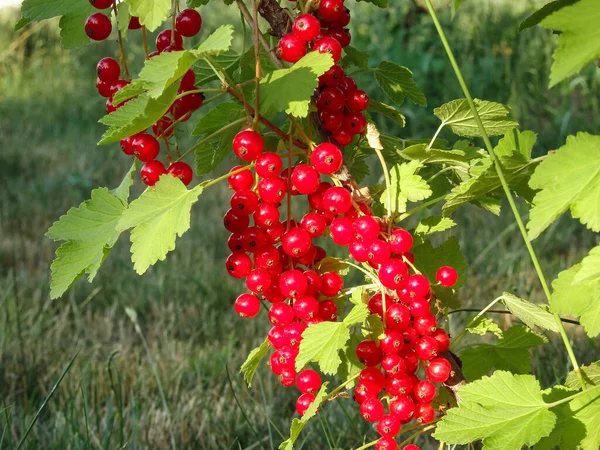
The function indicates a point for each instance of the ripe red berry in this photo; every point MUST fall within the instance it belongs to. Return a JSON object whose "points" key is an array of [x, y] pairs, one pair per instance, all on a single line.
{"points": [[98, 27], [247, 305], [337, 200], [424, 391], [397, 317], [145, 147], [163, 40], [424, 413], [340, 34], [234, 243], [403, 408], [306, 307], [326, 158], [305, 179], [151, 172], [426, 348], [411, 447], [372, 375], [293, 333], [446, 276], [425, 325], [163, 127], [328, 310], [386, 443], [104, 88], [355, 123], [268, 165], [306, 27], [418, 286], [254, 239], [366, 390], [266, 215], [369, 353], [296, 242], [248, 145], [392, 342], [332, 120], [342, 137], [188, 22], [181, 170], [293, 283], [393, 273], [258, 280], [400, 241], [108, 70], [240, 180], [287, 377], [331, 284], [379, 252], [127, 145], [281, 314], [347, 84], [314, 224], [357, 100], [359, 250], [439, 370], [442, 339], [188, 81], [234, 221], [117, 86], [291, 48], [398, 384], [372, 410], [331, 10], [389, 426], [267, 257], [304, 402], [376, 304], [328, 44], [134, 24], [244, 202], [332, 77], [331, 99], [102, 4], [308, 381], [393, 364], [238, 265]]}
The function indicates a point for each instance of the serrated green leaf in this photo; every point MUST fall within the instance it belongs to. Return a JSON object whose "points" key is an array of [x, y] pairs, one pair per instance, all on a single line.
{"points": [[90, 232], [387, 111], [579, 38], [72, 29], [355, 57], [483, 325], [373, 327], [355, 160], [529, 313], [350, 365], [157, 217], [568, 178], [505, 411], [22, 22], [228, 60], [428, 260], [152, 13], [591, 376], [321, 343], [218, 42], [358, 296], [590, 267], [398, 83], [164, 69], [516, 142], [458, 116], [304, 76], [406, 186], [137, 115], [123, 18], [298, 424], [511, 352], [544, 12], [356, 315], [249, 367], [581, 299], [433, 224]]}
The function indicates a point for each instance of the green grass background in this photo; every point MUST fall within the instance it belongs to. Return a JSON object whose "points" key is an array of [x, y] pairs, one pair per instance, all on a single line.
{"points": [[189, 338]]}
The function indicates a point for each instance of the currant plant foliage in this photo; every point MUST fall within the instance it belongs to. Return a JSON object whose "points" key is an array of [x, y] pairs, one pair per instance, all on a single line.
{"points": [[301, 126]]}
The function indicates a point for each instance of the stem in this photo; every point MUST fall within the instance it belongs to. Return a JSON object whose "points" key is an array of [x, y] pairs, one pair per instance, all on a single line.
{"points": [[173, 19], [200, 91], [121, 48], [367, 273], [145, 41], [571, 397], [421, 207], [500, 311], [435, 136], [369, 445], [261, 38], [257, 57], [340, 387], [457, 339], [388, 186], [289, 179], [505, 187], [211, 136]]}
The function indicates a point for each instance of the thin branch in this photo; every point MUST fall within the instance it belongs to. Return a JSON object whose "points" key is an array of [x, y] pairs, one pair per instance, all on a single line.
{"points": [[257, 57], [121, 48]]}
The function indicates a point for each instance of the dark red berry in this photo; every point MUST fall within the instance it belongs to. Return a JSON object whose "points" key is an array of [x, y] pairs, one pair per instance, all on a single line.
{"points": [[342, 35], [162, 127], [357, 100], [397, 317], [235, 222], [442, 339], [181, 170], [248, 145], [331, 10], [342, 137], [98, 27], [134, 24], [163, 40], [108, 70], [328, 310], [291, 48], [355, 123], [188, 22], [247, 305], [151, 172], [102, 4], [332, 120], [331, 99], [369, 353], [145, 147]]}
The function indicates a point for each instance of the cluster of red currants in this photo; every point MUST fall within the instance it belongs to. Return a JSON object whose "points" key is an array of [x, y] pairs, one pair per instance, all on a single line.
{"points": [[279, 261], [339, 102], [143, 145]]}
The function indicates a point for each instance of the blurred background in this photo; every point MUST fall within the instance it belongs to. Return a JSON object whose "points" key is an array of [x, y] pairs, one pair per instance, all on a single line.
{"points": [[174, 382]]}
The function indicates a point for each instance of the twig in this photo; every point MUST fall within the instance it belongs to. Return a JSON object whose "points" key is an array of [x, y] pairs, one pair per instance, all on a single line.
{"points": [[121, 48], [257, 62]]}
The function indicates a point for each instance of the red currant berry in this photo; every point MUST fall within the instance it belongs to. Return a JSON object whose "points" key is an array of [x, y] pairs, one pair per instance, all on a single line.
{"points": [[145, 147], [372, 410], [277, 336], [315, 200], [151, 172], [308, 381], [359, 250], [424, 413], [442, 339], [254, 239], [419, 306], [293, 283], [98, 27], [392, 342], [398, 384], [386, 443], [331, 284], [403, 408], [296, 242], [108, 70], [365, 390], [134, 24], [163, 127], [393, 364], [304, 402], [258, 280], [424, 391], [418, 286], [366, 228], [357, 100], [244, 202], [379, 252], [281, 314], [369, 353], [188, 22], [305, 179], [238, 265], [235, 222], [337, 200], [328, 310], [188, 81], [389, 426], [355, 123], [372, 375], [332, 77], [331, 99], [326, 158], [163, 40], [425, 325], [332, 120], [331, 9], [247, 305], [411, 447], [397, 317], [376, 304], [181, 170], [314, 224], [400, 241], [103, 88], [426, 348], [439, 370], [393, 274], [268, 165], [291, 48], [342, 35], [287, 377], [275, 234], [410, 358], [266, 215], [248, 145], [127, 145], [446, 276], [306, 27], [267, 257], [347, 85], [306, 307], [293, 332], [240, 180], [234, 243], [342, 137], [102, 4]]}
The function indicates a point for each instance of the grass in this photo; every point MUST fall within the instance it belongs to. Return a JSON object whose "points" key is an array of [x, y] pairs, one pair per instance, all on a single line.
{"points": [[184, 335]]}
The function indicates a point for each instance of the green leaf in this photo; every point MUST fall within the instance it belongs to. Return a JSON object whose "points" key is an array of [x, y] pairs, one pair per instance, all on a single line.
{"points": [[356, 315], [380, 3], [544, 12], [529, 313], [157, 217], [567, 178], [581, 299], [355, 159], [122, 191], [406, 186], [350, 365], [505, 411], [249, 367], [152, 13], [579, 39], [458, 116], [321, 343], [355, 57], [331, 264], [228, 60], [428, 260], [590, 267], [164, 69], [373, 327], [304, 76], [137, 115], [591, 376], [123, 18], [72, 28], [90, 232], [298, 424], [387, 111], [483, 325], [433, 224], [516, 143], [218, 42], [398, 83], [23, 21], [510, 353]]}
